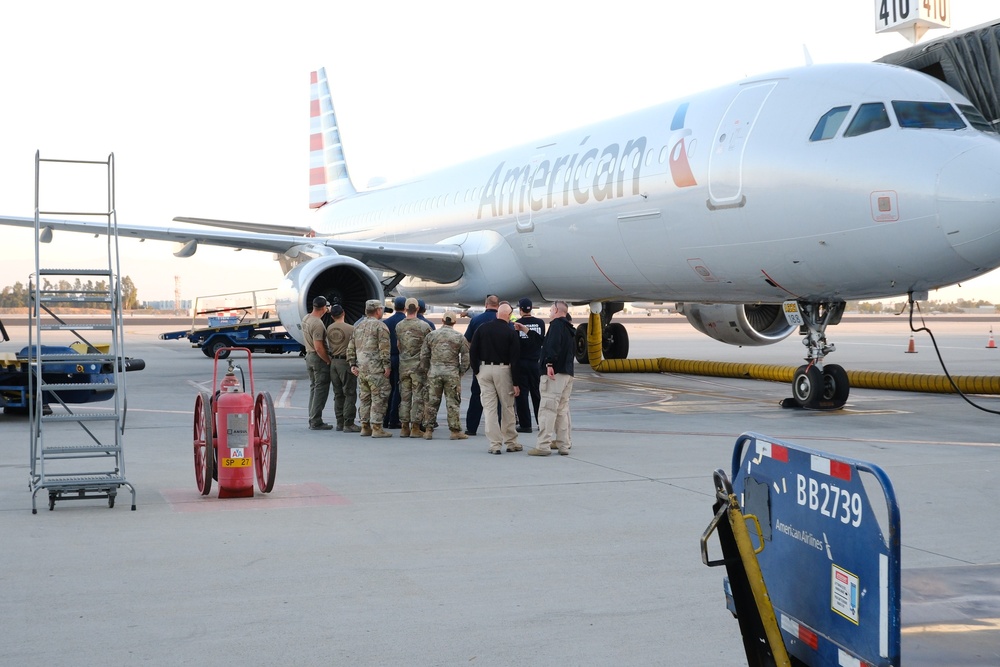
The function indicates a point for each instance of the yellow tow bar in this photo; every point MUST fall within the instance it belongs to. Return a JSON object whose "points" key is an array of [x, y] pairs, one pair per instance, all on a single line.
{"points": [[761, 634]]}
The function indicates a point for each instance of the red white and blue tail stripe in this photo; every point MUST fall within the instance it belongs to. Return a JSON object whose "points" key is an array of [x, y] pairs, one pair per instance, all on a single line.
{"points": [[328, 176]]}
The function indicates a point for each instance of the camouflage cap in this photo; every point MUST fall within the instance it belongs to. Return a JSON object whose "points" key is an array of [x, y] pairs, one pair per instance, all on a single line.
{"points": [[372, 304], [450, 317]]}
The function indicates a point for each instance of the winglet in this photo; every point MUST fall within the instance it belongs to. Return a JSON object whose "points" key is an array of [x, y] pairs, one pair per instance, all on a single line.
{"points": [[328, 176]]}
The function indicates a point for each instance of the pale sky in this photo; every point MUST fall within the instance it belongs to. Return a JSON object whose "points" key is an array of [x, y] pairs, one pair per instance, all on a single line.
{"points": [[205, 103]]}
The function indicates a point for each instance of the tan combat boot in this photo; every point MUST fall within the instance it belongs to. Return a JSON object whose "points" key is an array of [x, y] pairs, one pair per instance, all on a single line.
{"points": [[428, 434], [459, 435], [379, 432], [404, 430], [416, 430], [366, 429]]}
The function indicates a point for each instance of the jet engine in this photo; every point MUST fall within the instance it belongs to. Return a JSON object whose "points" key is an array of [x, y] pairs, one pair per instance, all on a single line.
{"points": [[739, 324], [340, 279]]}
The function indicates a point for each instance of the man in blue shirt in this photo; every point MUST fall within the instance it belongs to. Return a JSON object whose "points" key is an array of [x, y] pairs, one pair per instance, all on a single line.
{"points": [[391, 419]]}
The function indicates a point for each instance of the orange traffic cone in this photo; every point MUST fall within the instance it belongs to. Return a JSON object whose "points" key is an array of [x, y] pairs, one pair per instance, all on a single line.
{"points": [[912, 348], [991, 344]]}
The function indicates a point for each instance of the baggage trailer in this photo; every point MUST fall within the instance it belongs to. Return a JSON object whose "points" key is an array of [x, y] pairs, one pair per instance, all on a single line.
{"points": [[811, 546], [237, 319]]}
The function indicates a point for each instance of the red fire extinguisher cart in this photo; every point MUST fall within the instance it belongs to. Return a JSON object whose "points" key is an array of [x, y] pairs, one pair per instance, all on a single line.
{"points": [[235, 438]]}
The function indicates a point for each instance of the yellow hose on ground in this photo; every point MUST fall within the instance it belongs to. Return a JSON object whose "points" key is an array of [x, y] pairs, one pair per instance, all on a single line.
{"points": [[968, 384]]}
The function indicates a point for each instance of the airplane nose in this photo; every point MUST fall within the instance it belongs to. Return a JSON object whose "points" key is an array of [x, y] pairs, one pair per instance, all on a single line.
{"points": [[968, 193]]}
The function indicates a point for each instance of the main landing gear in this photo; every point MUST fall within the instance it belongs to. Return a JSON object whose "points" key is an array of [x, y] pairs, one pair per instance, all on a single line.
{"points": [[614, 335], [815, 385]]}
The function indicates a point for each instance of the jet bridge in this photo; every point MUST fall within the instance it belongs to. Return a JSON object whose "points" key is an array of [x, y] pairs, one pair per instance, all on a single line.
{"points": [[968, 61]]}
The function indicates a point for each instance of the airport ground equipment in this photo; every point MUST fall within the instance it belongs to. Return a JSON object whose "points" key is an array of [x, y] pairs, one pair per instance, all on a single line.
{"points": [[235, 434], [817, 580], [239, 318], [76, 454], [94, 381]]}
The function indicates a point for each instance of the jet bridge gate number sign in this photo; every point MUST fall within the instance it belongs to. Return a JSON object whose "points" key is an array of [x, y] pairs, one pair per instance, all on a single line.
{"points": [[830, 561]]}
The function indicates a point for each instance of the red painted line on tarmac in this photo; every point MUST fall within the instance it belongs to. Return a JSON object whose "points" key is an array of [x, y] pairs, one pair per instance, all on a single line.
{"points": [[283, 496]]}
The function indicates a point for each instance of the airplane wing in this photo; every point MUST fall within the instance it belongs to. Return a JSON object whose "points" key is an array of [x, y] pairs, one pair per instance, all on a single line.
{"points": [[255, 227], [441, 263]]}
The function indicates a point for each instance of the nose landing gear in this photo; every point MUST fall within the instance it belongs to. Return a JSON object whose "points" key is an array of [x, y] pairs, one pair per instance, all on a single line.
{"points": [[815, 385]]}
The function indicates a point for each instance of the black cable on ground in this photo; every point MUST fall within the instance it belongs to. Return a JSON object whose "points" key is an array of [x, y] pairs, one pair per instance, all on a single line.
{"points": [[923, 328]]}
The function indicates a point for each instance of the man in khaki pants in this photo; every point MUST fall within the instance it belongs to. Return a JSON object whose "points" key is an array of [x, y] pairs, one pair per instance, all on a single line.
{"points": [[556, 384], [495, 350]]}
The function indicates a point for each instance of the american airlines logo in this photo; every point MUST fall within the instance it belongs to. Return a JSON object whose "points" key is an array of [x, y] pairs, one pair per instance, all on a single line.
{"points": [[598, 175], [546, 184], [680, 169]]}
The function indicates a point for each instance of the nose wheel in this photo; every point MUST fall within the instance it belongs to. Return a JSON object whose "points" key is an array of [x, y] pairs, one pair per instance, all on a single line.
{"points": [[815, 385], [807, 385]]}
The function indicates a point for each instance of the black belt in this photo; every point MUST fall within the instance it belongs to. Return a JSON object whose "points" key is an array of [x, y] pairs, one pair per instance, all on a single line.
{"points": [[494, 363], [338, 356]]}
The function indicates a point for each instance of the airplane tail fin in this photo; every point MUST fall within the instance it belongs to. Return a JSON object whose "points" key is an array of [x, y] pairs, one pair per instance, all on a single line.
{"points": [[328, 176]]}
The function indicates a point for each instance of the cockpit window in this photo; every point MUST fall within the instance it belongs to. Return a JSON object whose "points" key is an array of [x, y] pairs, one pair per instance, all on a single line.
{"points": [[829, 124], [869, 118], [976, 119], [928, 115]]}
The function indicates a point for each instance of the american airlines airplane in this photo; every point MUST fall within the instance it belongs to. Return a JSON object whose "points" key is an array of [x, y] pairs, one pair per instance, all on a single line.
{"points": [[759, 208]]}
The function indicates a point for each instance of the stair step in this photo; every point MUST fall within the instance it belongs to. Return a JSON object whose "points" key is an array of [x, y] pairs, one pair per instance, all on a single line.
{"points": [[76, 386], [99, 297], [77, 327], [75, 272], [89, 450], [69, 356], [81, 417], [76, 480]]}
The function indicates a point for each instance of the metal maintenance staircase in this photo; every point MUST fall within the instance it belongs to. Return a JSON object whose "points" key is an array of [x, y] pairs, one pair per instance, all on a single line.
{"points": [[77, 450]]}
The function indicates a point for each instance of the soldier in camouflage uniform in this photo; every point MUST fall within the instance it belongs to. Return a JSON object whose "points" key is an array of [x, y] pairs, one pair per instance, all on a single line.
{"points": [[410, 335], [445, 356], [368, 354]]}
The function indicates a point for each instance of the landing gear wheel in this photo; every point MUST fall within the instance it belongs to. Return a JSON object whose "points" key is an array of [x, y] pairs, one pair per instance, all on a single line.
{"points": [[807, 386], [582, 353], [615, 342], [836, 387], [265, 446], [204, 444]]}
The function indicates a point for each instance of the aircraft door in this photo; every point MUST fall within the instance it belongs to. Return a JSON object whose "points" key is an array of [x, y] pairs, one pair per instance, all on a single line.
{"points": [[725, 163]]}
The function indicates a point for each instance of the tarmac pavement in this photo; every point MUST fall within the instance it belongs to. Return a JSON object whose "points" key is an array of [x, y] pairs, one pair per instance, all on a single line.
{"points": [[377, 552]]}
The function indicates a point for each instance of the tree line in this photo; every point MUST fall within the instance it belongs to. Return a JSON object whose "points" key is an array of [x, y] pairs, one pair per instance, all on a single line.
{"points": [[960, 306], [18, 295]]}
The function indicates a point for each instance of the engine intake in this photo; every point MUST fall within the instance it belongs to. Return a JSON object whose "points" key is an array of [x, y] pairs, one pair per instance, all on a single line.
{"points": [[340, 279], [739, 324]]}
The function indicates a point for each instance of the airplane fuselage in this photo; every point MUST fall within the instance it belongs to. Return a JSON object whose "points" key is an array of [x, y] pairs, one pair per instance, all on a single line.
{"points": [[717, 197]]}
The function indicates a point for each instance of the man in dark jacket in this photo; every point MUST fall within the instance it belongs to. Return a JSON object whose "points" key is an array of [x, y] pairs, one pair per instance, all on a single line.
{"points": [[532, 332], [556, 383]]}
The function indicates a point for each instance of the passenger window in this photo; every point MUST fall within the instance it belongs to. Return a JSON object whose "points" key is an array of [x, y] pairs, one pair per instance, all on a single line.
{"points": [[869, 118], [976, 119], [829, 124], [928, 115]]}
